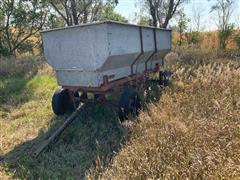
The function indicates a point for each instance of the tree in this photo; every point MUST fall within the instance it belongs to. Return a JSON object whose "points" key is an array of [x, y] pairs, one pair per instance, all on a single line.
{"points": [[224, 9], [182, 25], [143, 20], [54, 21], [193, 37], [108, 13], [196, 18], [162, 11], [74, 12], [22, 20]]}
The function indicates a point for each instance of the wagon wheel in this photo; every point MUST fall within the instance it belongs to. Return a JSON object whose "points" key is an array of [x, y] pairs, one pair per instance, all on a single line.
{"points": [[164, 78], [62, 102], [72, 102], [161, 78], [129, 103]]}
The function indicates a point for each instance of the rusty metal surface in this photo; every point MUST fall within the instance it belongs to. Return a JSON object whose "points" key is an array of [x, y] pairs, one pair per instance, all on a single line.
{"points": [[113, 85]]}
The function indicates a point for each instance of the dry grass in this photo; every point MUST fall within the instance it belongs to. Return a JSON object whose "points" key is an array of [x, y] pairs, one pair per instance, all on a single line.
{"points": [[192, 132], [199, 57], [20, 67], [209, 40]]}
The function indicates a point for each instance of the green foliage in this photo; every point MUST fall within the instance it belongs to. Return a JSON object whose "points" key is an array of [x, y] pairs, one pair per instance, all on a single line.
{"points": [[55, 21], [182, 22], [1, 18], [74, 12], [108, 13], [193, 37], [4, 51], [25, 46], [224, 35], [143, 20], [223, 9], [22, 20], [182, 25]]}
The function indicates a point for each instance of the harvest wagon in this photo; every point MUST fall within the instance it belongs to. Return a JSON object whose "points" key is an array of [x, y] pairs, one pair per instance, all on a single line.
{"points": [[93, 60], [99, 58]]}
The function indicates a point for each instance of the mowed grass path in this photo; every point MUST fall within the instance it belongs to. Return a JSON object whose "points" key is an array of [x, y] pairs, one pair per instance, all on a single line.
{"points": [[192, 132]]}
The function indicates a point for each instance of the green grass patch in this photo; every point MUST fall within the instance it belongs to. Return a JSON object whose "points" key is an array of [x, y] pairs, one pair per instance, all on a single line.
{"points": [[16, 91], [26, 119]]}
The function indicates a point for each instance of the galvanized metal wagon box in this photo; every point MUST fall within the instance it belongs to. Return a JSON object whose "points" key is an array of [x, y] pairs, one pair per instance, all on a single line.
{"points": [[101, 57], [82, 55]]}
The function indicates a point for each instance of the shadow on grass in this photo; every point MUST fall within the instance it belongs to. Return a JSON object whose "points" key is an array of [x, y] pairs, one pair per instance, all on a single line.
{"points": [[13, 91], [95, 135]]}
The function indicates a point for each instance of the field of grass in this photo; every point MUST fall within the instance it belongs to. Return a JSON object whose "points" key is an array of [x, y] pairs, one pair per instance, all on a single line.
{"points": [[192, 132]]}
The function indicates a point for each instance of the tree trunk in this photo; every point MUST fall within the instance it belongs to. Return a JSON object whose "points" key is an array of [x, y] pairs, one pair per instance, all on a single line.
{"points": [[153, 13], [169, 14], [74, 12]]}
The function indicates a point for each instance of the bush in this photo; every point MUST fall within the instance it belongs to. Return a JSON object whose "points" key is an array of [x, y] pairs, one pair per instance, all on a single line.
{"points": [[224, 36], [193, 37]]}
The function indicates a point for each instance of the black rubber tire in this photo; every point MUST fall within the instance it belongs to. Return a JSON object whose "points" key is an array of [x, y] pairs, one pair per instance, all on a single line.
{"points": [[62, 103], [129, 103], [162, 79]]}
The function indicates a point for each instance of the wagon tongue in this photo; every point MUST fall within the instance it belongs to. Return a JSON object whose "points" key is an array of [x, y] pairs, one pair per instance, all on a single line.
{"points": [[59, 131]]}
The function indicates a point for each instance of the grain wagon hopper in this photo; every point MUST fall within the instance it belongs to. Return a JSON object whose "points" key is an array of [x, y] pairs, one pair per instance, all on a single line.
{"points": [[99, 58]]}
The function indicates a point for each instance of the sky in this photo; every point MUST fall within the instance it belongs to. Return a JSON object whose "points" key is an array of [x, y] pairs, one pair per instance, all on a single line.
{"points": [[128, 8]]}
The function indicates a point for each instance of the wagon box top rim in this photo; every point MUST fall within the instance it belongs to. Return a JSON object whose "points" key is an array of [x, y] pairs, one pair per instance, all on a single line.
{"points": [[102, 22]]}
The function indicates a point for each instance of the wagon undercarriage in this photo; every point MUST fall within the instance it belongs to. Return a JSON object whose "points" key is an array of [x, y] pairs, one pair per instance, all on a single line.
{"points": [[68, 98]]}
